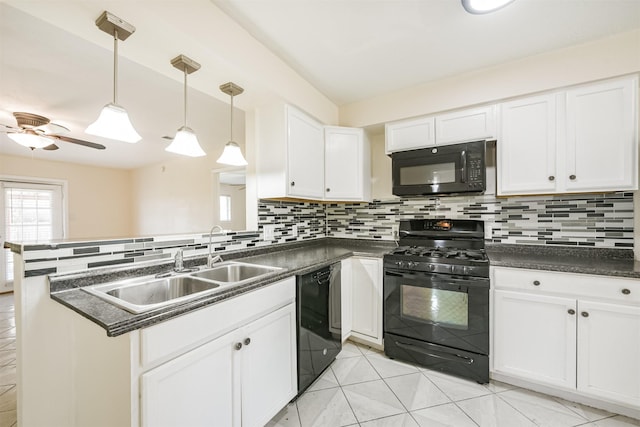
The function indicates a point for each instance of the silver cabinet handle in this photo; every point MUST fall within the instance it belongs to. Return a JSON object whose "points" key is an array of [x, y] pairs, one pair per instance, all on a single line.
{"points": [[238, 346], [572, 177], [584, 314], [571, 311], [247, 341], [626, 291], [293, 183], [328, 189], [551, 178]]}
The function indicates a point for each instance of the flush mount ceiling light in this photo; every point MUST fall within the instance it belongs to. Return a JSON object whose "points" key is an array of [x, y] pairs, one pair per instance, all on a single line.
{"points": [[479, 7], [113, 121], [185, 142], [232, 155]]}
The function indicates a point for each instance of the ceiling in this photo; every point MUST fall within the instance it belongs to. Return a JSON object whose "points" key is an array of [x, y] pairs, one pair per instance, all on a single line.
{"points": [[54, 62], [352, 50]]}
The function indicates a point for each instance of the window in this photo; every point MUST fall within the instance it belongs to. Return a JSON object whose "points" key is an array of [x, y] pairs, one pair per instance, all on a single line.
{"points": [[225, 208], [29, 212]]}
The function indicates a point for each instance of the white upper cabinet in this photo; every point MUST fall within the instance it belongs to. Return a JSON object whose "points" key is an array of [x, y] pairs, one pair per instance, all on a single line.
{"points": [[583, 139], [527, 146], [290, 153], [601, 137], [298, 158], [347, 164], [410, 134], [466, 125], [458, 126]]}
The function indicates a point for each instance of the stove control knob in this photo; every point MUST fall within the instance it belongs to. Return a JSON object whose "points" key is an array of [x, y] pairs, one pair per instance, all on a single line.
{"points": [[466, 270], [400, 264], [432, 267], [413, 264], [453, 269]]}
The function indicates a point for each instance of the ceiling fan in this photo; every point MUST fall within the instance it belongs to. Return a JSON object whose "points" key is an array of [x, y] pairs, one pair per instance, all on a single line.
{"points": [[36, 131]]}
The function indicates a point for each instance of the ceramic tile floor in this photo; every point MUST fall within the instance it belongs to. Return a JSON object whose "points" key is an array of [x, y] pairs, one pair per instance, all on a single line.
{"points": [[7, 361], [365, 388]]}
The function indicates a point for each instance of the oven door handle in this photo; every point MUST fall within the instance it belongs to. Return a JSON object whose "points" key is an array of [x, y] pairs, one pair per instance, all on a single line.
{"points": [[450, 357]]}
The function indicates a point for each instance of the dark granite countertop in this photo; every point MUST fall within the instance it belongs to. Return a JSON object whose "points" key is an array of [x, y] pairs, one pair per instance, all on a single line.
{"points": [[294, 258], [604, 262]]}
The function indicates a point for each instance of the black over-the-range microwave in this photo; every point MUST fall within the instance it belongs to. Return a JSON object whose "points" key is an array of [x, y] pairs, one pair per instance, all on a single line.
{"points": [[447, 169]]}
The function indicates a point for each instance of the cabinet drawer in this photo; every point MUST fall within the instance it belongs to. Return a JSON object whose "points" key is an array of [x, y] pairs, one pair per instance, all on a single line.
{"points": [[560, 283], [175, 336]]}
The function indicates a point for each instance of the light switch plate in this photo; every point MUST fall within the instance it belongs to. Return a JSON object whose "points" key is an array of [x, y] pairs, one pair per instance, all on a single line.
{"points": [[268, 231]]}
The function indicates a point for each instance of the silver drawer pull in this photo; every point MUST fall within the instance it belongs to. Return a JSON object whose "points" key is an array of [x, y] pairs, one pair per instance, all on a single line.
{"points": [[536, 283], [626, 291], [585, 314], [571, 311]]}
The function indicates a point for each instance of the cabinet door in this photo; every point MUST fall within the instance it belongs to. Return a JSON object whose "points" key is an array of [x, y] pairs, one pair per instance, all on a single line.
{"points": [[346, 305], [534, 337], [196, 388], [466, 125], [410, 134], [609, 351], [527, 146], [344, 164], [305, 162], [269, 367], [602, 137], [366, 289]]}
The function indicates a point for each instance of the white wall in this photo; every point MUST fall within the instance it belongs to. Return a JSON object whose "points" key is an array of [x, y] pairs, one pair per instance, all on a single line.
{"points": [[99, 203], [611, 56]]}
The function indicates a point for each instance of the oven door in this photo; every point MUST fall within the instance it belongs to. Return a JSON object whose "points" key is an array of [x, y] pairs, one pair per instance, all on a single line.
{"points": [[447, 310]]}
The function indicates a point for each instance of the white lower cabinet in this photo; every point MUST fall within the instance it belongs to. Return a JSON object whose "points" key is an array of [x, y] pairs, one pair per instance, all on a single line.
{"points": [[362, 283], [609, 349], [240, 379], [575, 333], [539, 339]]}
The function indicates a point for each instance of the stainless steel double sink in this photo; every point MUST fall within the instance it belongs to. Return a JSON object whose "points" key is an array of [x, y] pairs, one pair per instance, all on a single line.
{"points": [[142, 294]]}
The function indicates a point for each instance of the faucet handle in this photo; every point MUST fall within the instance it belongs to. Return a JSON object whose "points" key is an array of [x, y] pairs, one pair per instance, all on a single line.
{"points": [[213, 259]]}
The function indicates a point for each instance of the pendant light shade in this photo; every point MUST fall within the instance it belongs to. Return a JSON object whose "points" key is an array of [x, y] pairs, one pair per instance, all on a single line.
{"points": [[113, 121], [185, 142], [30, 139], [232, 155]]}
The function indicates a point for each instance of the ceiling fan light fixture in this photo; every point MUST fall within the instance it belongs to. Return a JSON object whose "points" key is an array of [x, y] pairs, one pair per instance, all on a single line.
{"points": [[232, 154], [30, 139], [479, 7], [113, 123], [186, 143]]}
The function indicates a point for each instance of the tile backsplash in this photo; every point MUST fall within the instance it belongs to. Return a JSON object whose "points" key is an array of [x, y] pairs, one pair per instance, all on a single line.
{"points": [[597, 220]]}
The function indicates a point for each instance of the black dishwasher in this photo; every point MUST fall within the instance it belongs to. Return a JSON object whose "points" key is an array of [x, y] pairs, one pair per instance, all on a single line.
{"points": [[318, 322]]}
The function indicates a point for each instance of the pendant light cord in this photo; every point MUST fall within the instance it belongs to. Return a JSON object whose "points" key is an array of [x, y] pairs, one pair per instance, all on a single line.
{"points": [[185, 96], [231, 130], [115, 66]]}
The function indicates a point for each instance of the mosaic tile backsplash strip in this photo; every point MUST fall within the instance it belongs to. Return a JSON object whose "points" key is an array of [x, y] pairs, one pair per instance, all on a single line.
{"points": [[597, 220], [600, 220]]}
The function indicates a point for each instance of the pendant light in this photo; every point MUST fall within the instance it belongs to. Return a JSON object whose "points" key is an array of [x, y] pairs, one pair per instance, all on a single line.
{"points": [[232, 155], [113, 121], [185, 142]]}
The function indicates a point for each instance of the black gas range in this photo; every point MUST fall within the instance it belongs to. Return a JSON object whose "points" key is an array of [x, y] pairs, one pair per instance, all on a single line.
{"points": [[436, 297]]}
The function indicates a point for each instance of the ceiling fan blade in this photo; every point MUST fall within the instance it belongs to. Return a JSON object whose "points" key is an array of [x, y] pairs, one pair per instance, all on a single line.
{"points": [[53, 129], [77, 141], [7, 128], [50, 147]]}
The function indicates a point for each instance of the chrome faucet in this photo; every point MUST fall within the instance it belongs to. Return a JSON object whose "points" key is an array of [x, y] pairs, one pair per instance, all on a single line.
{"points": [[179, 265], [211, 259]]}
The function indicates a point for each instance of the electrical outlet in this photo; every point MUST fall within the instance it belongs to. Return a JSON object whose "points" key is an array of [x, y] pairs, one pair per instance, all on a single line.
{"points": [[268, 232], [395, 232], [294, 230], [488, 230]]}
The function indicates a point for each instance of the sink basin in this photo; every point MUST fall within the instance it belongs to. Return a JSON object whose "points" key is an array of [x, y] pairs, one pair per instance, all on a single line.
{"points": [[144, 294], [235, 272]]}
